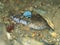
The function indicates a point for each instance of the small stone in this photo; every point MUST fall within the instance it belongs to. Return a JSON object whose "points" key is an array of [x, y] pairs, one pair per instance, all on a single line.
{"points": [[8, 36], [31, 8], [58, 40], [53, 34], [33, 34]]}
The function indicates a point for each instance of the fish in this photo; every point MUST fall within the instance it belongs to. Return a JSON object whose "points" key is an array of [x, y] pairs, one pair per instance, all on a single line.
{"points": [[36, 22]]}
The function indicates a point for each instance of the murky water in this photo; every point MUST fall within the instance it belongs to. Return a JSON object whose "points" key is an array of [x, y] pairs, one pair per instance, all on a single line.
{"points": [[23, 35]]}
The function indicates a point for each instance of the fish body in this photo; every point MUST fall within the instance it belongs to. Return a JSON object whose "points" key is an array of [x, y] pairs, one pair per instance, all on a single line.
{"points": [[36, 22]]}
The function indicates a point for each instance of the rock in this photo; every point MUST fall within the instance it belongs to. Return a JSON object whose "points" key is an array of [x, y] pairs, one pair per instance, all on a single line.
{"points": [[3, 37]]}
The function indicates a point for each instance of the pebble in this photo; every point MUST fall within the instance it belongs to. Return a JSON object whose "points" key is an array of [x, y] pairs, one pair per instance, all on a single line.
{"points": [[33, 34], [53, 34], [8, 36], [1, 5]]}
